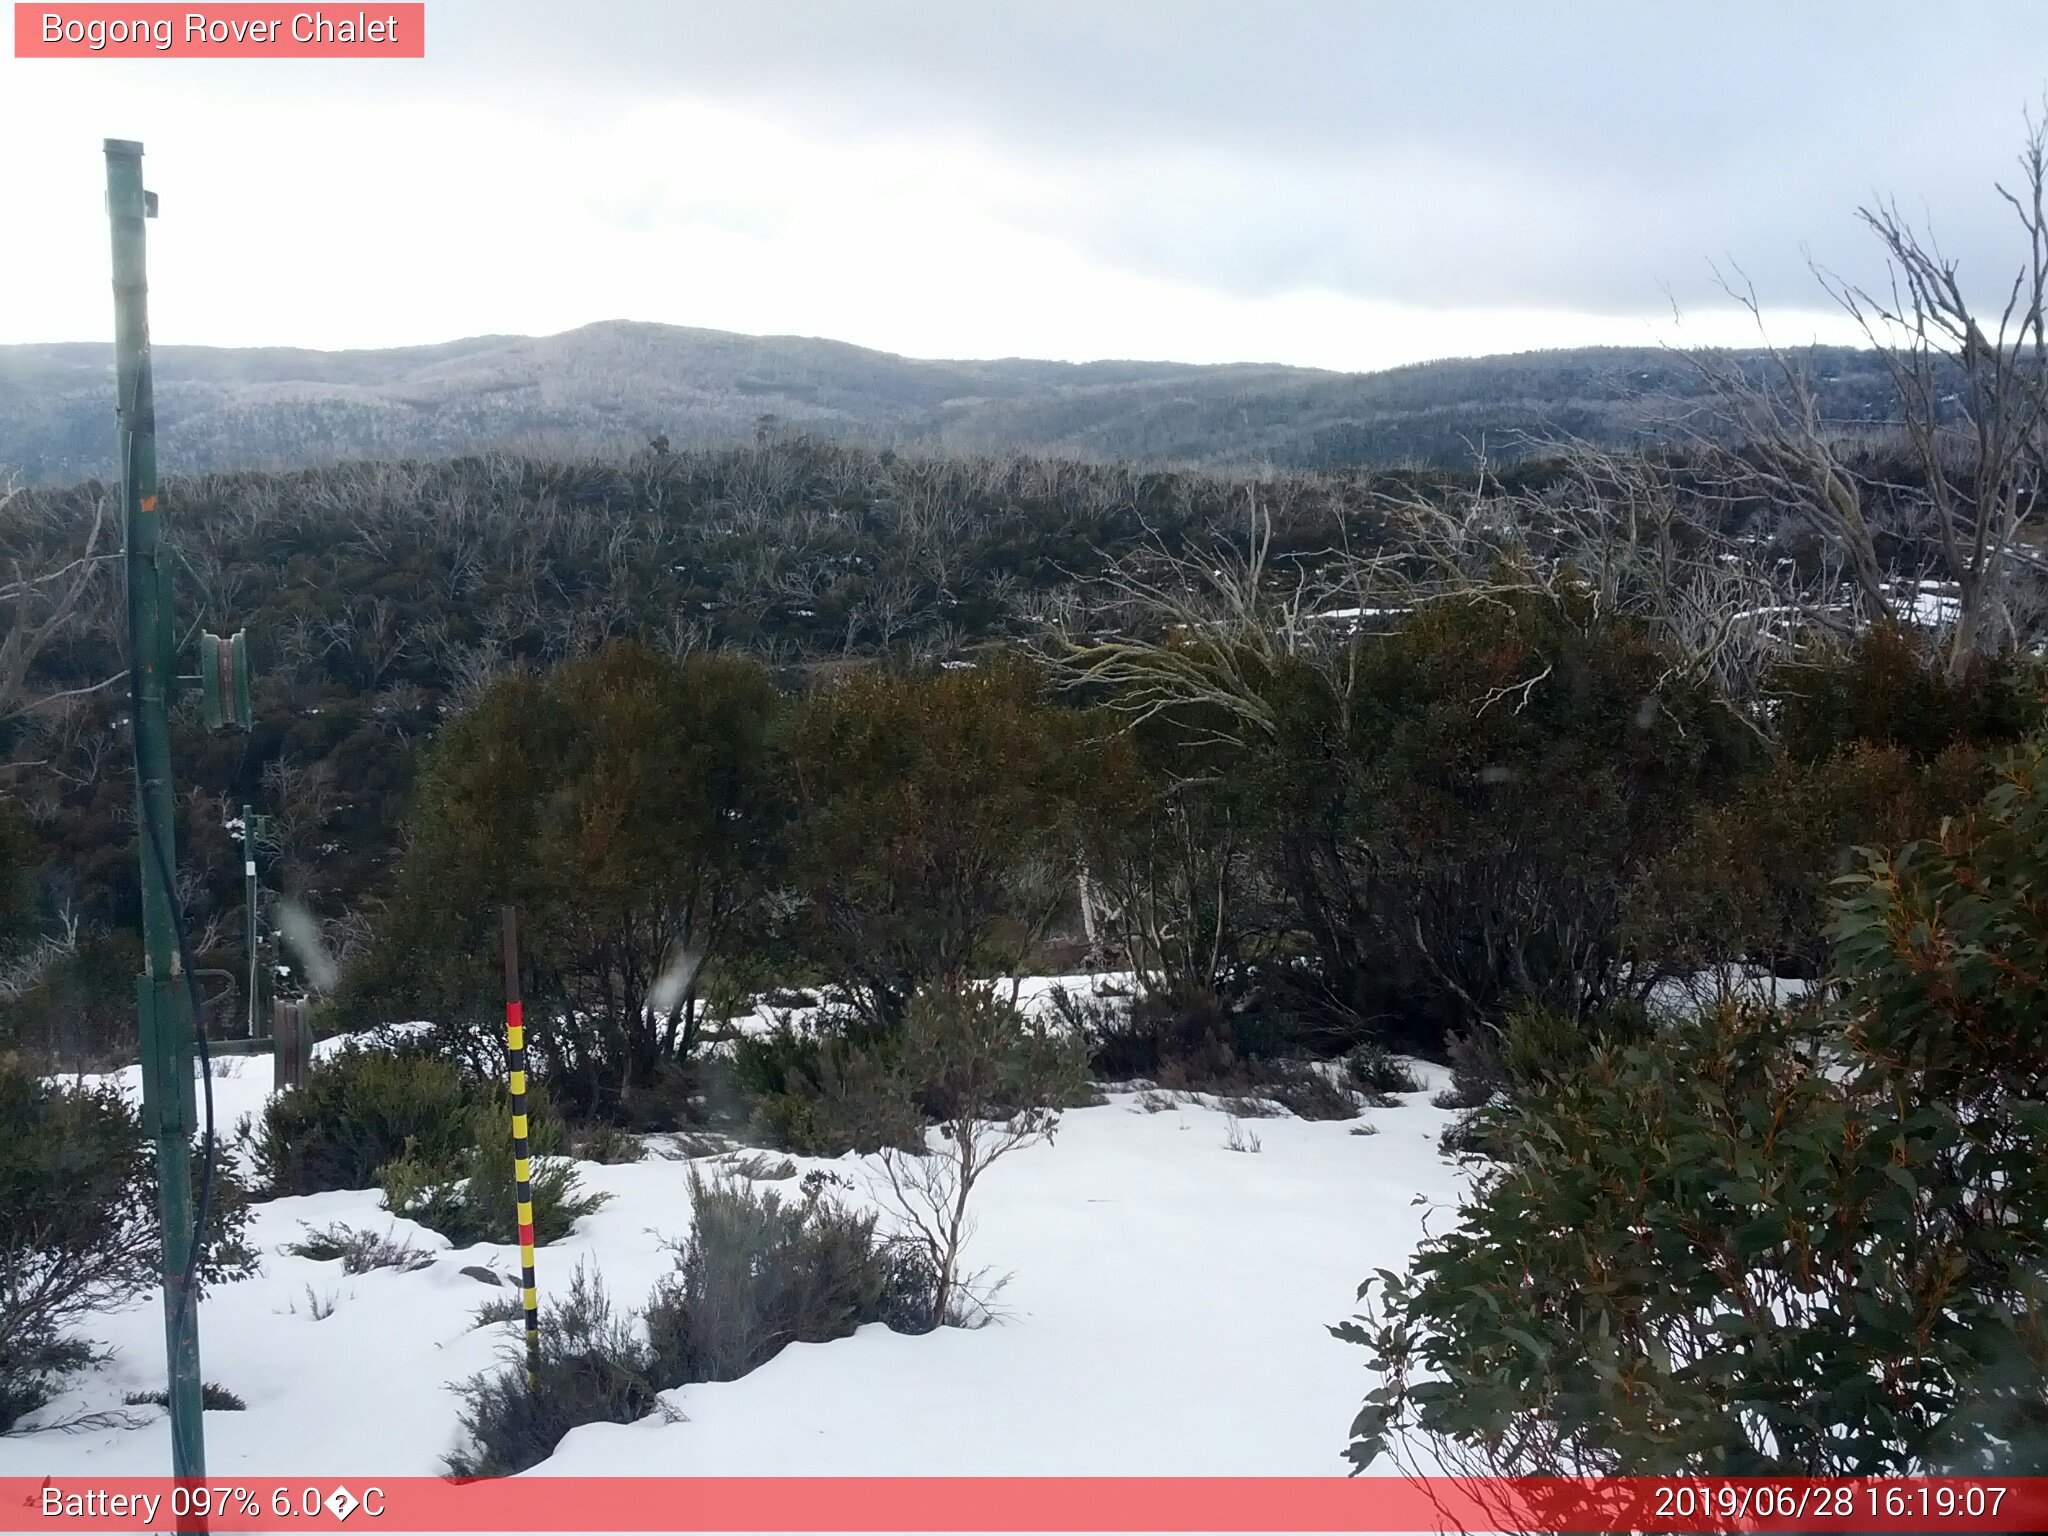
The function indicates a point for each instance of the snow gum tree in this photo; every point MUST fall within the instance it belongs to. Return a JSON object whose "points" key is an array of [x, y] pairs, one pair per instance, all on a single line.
{"points": [[631, 807], [936, 833]]}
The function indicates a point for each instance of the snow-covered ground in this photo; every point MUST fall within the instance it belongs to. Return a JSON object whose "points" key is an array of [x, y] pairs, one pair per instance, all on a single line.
{"points": [[1166, 1315]]}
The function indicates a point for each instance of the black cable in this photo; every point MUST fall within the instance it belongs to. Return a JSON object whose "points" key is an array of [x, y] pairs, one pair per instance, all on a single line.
{"points": [[152, 835]]}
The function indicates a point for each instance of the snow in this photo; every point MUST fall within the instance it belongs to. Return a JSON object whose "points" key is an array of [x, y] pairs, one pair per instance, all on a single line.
{"points": [[1035, 996], [1744, 984], [1166, 1314], [1359, 613]]}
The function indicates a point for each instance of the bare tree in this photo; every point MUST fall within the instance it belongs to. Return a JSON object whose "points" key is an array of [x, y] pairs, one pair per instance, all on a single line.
{"points": [[1970, 386], [1000, 1081], [37, 603], [1973, 398]]}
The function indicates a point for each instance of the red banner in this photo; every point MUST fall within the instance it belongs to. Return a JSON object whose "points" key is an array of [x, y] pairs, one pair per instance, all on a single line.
{"points": [[1024, 1504], [104, 31]]}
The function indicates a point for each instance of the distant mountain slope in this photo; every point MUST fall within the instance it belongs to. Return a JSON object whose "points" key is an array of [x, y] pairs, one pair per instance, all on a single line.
{"points": [[616, 384]]}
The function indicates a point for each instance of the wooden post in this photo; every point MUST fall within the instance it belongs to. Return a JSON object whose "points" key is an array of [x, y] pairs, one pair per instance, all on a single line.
{"points": [[291, 1033]]}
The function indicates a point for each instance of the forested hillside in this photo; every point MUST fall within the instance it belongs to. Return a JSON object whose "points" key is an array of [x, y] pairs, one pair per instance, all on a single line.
{"points": [[381, 600], [612, 387]]}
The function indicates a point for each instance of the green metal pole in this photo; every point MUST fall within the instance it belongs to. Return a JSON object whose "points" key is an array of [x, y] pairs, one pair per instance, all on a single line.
{"points": [[162, 998]]}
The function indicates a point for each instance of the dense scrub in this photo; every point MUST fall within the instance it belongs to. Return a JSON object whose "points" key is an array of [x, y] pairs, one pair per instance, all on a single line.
{"points": [[1754, 1243], [383, 600]]}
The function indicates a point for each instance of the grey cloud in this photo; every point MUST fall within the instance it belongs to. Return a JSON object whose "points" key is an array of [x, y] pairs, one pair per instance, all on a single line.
{"points": [[1575, 153]]}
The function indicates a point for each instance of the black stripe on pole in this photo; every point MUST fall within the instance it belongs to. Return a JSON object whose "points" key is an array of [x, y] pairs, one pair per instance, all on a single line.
{"points": [[522, 1166]]}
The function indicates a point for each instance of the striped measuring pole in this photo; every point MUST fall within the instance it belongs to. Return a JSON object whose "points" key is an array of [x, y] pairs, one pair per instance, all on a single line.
{"points": [[522, 1160]]}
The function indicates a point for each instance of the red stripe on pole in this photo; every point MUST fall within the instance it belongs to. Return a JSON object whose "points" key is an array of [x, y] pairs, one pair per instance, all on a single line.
{"points": [[1047, 1504], [525, 1235], [515, 1015]]}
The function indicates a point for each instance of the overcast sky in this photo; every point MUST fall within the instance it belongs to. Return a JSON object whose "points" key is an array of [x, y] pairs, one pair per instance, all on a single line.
{"points": [[1342, 183]]}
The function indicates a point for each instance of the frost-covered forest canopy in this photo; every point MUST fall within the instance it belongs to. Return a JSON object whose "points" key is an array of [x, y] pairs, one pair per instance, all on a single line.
{"points": [[1674, 810], [608, 388]]}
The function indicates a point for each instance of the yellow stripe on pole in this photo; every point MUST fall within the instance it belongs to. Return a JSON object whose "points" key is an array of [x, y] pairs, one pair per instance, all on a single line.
{"points": [[515, 1037], [519, 1081], [522, 1169], [518, 1127], [527, 1296], [526, 1215]]}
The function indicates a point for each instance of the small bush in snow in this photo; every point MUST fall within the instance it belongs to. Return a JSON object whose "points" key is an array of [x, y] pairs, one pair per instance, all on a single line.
{"points": [[469, 1196], [594, 1369], [608, 1144], [214, 1397], [825, 1094], [360, 1251], [1477, 1072], [78, 1227], [1159, 1036], [1377, 1075], [357, 1111], [759, 1271], [758, 1165], [1303, 1090], [999, 1081], [502, 1309], [847, 1084]]}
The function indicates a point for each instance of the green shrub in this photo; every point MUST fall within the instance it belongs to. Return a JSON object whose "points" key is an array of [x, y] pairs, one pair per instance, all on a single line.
{"points": [[926, 809], [632, 806], [1540, 1046], [1459, 812], [34, 1366], [79, 1234], [1750, 882], [357, 1111], [968, 1051], [79, 1229], [1189, 1037], [1532, 1048], [759, 1272], [229, 1255], [833, 1087], [1876, 744], [1764, 1245], [1377, 1074], [1891, 690], [469, 1195], [594, 1369]]}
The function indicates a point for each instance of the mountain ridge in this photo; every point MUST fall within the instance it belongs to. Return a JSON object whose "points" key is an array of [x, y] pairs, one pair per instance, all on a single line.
{"points": [[612, 385]]}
